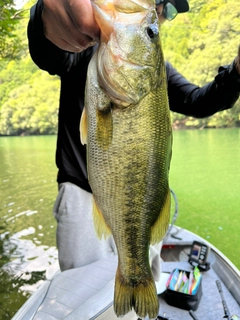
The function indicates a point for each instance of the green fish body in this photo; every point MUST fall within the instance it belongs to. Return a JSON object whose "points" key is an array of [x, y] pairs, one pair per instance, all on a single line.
{"points": [[126, 125]]}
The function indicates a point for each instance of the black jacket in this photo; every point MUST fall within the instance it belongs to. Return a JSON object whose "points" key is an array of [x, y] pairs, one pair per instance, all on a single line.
{"points": [[184, 97]]}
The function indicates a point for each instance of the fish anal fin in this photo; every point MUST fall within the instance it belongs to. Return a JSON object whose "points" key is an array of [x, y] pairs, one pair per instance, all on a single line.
{"points": [[159, 229], [83, 127], [141, 296], [101, 228]]}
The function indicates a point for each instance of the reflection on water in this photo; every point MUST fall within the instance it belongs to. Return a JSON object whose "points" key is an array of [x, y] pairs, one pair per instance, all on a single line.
{"points": [[24, 255], [27, 266], [28, 189]]}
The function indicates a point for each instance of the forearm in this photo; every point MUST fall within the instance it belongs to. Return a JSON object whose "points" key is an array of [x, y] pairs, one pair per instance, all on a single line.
{"points": [[218, 95]]}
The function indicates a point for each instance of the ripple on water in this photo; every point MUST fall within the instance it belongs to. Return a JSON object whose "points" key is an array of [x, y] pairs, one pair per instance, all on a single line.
{"points": [[25, 257]]}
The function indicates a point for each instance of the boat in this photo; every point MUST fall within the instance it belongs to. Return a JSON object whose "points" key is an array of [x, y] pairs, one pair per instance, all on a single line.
{"points": [[86, 293]]}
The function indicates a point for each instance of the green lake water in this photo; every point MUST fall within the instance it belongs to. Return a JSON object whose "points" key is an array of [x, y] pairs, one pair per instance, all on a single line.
{"points": [[205, 175]]}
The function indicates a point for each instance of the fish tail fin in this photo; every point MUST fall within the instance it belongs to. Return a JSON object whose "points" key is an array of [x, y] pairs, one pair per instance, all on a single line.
{"points": [[123, 296], [146, 299], [142, 297], [159, 229], [101, 228]]}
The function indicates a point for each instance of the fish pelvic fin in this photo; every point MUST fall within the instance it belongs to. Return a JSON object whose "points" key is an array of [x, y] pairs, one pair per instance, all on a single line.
{"points": [[141, 296], [83, 127], [101, 228], [159, 229]]}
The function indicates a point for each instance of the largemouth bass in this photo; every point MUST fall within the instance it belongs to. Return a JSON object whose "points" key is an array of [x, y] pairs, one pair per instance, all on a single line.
{"points": [[126, 125]]}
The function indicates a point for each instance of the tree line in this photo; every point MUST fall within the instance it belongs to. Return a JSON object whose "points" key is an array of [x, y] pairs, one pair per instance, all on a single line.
{"points": [[196, 43]]}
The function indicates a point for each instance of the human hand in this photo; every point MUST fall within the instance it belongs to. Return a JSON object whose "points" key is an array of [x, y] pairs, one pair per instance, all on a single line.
{"points": [[70, 24], [237, 60]]}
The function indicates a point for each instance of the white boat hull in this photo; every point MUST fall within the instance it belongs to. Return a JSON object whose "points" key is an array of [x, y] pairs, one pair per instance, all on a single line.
{"points": [[87, 292]]}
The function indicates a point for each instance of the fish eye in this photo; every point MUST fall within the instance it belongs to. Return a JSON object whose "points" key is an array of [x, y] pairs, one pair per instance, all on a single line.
{"points": [[152, 31]]}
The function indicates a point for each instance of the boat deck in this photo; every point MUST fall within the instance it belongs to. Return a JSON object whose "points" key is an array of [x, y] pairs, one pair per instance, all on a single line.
{"points": [[86, 293], [210, 306]]}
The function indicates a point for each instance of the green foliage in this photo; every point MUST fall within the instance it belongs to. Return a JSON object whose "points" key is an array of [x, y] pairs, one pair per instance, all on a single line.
{"points": [[28, 96], [31, 107], [9, 19], [196, 43]]}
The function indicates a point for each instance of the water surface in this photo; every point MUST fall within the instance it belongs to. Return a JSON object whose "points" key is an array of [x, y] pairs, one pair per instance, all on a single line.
{"points": [[27, 227], [205, 174]]}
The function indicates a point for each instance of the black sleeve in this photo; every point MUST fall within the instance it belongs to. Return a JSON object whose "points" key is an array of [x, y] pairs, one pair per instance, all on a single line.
{"points": [[191, 100], [44, 53]]}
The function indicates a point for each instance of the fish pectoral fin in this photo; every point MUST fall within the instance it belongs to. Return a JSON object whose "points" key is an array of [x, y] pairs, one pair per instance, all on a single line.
{"points": [[159, 229], [101, 228], [83, 127], [104, 130]]}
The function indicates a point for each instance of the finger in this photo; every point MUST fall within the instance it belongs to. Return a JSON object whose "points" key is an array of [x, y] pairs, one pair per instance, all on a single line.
{"points": [[63, 34], [66, 46], [82, 17], [64, 42]]}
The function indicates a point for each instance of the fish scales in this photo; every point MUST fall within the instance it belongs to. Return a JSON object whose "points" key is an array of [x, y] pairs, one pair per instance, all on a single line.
{"points": [[126, 125]]}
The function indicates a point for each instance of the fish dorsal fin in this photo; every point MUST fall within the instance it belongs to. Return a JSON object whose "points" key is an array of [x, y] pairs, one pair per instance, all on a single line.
{"points": [[83, 127], [101, 228], [159, 229]]}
